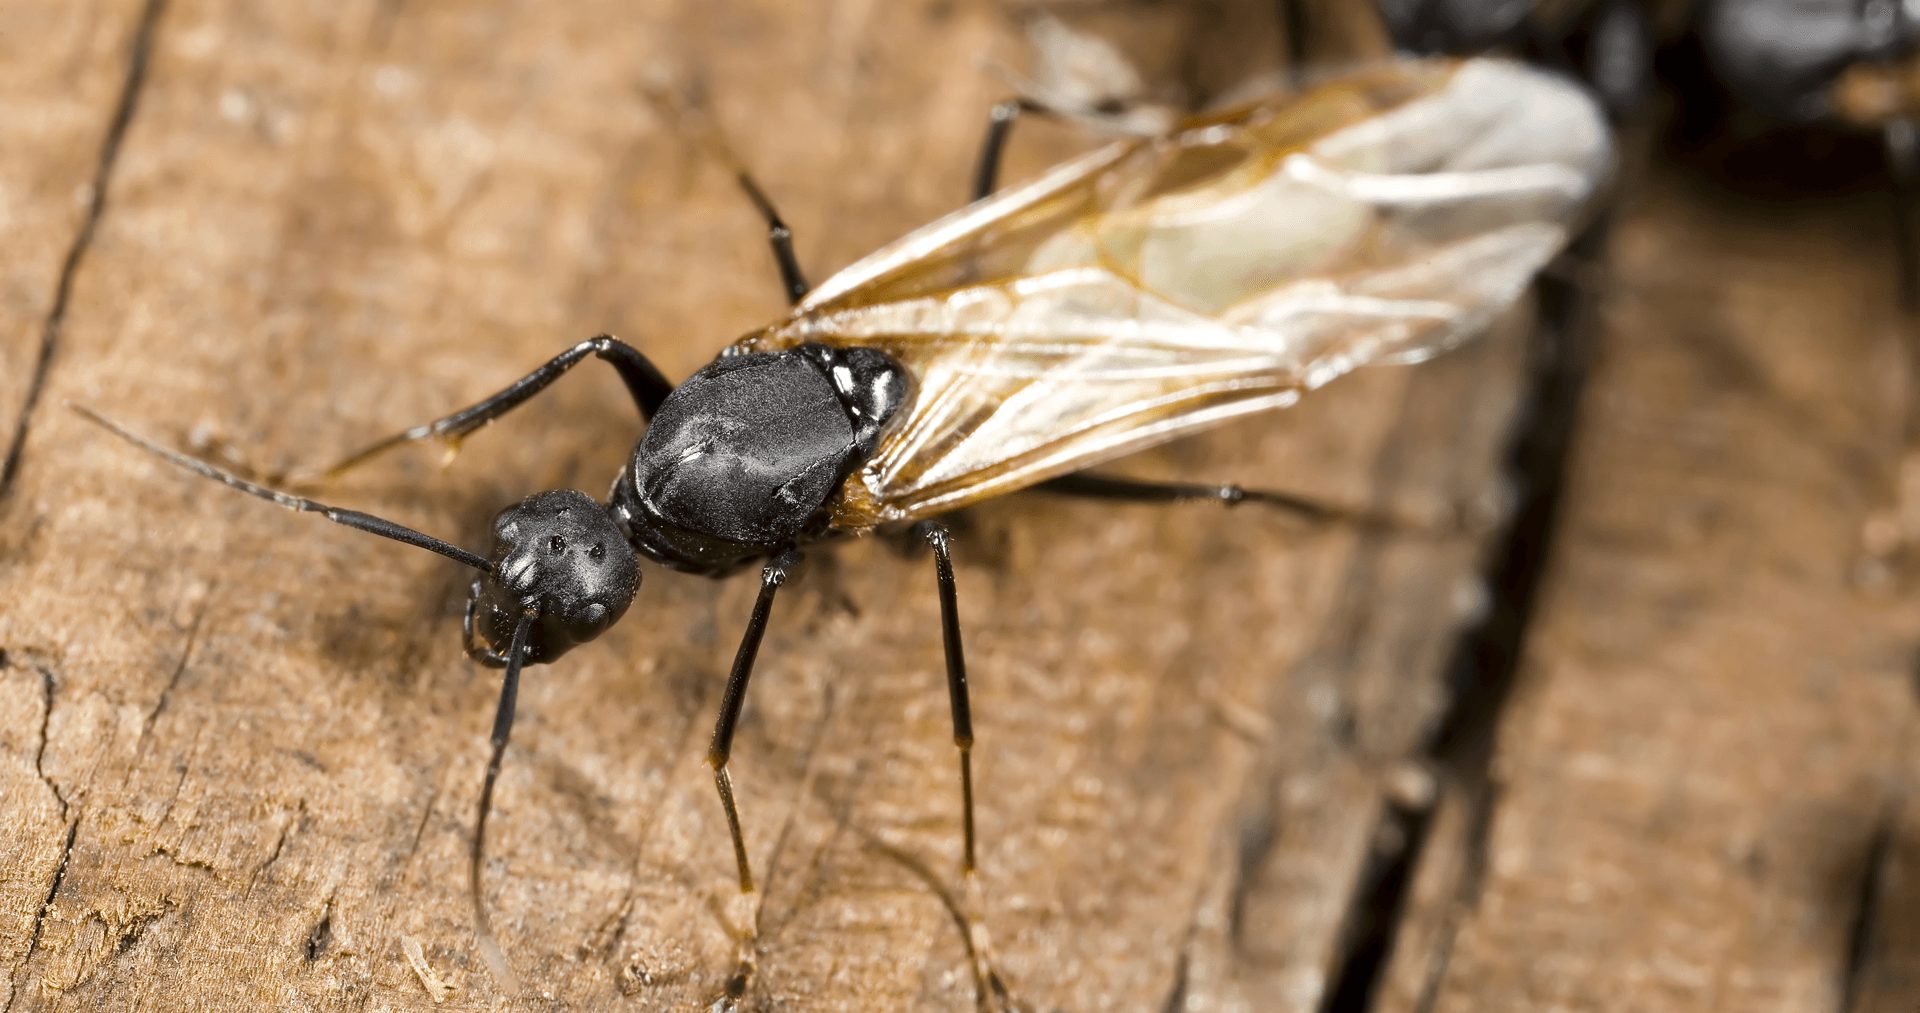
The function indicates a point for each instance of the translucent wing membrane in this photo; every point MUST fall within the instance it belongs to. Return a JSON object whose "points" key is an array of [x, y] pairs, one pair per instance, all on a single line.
{"points": [[1156, 287]]}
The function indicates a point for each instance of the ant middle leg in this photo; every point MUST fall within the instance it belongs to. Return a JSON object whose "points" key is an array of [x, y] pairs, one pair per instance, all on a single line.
{"points": [[647, 385], [721, 749]]}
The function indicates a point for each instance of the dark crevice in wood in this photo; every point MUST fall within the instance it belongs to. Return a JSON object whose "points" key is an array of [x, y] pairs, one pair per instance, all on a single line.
{"points": [[1181, 984], [40, 751], [419, 829], [1176, 999], [1485, 661], [40, 918], [1373, 913], [50, 328], [173, 681], [321, 934], [293, 822], [1913, 680], [134, 930], [1259, 833], [1859, 951]]}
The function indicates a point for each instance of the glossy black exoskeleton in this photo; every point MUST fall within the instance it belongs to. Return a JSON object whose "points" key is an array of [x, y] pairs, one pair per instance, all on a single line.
{"points": [[558, 556], [743, 459]]}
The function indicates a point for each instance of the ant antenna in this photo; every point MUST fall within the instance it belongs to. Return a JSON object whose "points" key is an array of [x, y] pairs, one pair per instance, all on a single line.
{"points": [[488, 944], [351, 518], [484, 938]]}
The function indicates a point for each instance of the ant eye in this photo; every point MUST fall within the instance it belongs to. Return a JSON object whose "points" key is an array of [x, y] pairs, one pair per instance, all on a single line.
{"points": [[556, 544], [597, 552]]}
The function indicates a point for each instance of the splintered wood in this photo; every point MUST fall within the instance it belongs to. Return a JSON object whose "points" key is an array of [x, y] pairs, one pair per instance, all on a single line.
{"points": [[240, 750]]}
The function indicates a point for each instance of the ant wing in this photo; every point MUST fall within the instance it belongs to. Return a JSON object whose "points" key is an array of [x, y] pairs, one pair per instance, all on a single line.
{"points": [[1156, 287]]}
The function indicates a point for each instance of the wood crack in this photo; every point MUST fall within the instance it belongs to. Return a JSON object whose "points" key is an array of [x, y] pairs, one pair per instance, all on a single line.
{"points": [[1486, 659], [40, 918], [138, 56], [280, 844], [40, 752], [173, 680], [1859, 951]]}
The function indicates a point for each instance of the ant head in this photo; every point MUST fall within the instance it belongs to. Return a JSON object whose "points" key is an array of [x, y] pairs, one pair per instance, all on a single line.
{"points": [[559, 555]]}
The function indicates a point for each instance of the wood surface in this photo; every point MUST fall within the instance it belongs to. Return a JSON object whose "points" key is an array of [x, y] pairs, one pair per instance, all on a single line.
{"points": [[1700, 792], [240, 749]]}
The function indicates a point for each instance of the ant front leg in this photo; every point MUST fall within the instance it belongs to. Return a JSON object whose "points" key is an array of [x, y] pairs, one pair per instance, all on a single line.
{"points": [[701, 130], [779, 236], [489, 944], [645, 382], [746, 909], [993, 147]]}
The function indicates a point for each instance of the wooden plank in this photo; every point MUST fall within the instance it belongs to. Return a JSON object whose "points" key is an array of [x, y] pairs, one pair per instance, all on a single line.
{"points": [[1705, 746], [330, 223]]}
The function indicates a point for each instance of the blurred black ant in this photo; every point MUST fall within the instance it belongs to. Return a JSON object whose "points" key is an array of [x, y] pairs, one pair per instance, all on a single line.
{"points": [[1829, 63], [1826, 63], [1609, 44]]}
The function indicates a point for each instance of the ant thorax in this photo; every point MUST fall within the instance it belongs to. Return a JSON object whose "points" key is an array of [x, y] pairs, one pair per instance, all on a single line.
{"points": [[745, 457]]}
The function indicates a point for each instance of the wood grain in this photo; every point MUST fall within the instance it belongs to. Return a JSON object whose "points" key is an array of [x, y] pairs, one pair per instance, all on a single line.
{"points": [[245, 748], [240, 750], [1706, 767]]}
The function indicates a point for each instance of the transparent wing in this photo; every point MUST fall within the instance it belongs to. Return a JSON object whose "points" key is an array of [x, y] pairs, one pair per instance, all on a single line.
{"points": [[1156, 287]]}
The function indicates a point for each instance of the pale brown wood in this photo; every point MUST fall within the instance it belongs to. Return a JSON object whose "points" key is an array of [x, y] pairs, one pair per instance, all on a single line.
{"points": [[63, 68], [242, 748], [1707, 767]]}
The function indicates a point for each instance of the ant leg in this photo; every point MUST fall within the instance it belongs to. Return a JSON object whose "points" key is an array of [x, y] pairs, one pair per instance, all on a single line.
{"points": [[489, 945], [731, 701], [937, 536], [779, 236], [1103, 116], [697, 126], [644, 381], [972, 902], [1294, 24], [1131, 490], [993, 147]]}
